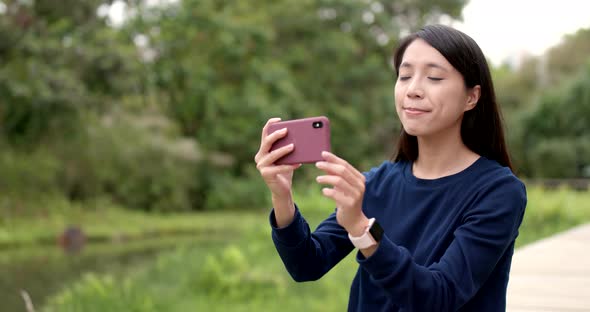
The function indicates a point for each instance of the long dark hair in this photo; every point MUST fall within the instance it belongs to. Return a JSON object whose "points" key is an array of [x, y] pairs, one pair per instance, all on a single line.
{"points": [[481, 128]]}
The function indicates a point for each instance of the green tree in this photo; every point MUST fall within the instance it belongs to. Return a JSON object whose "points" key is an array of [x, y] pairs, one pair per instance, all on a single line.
{"points": [[57, 59], [567, 58], [74, 89], [516, 87], [518, 92], [225, 67], [557, 131], [67, 82]]}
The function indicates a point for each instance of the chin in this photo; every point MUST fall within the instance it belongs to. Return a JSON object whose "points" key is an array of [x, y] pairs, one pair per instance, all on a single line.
{"points": [[413, 131]]}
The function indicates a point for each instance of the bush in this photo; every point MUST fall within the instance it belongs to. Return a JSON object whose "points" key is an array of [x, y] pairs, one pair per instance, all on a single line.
{"points": [[228, 192], [555, 131], [549, 212], [102, 293], [180, 280], [135, 167], [26, 173], [229, 276], [554, 158]]}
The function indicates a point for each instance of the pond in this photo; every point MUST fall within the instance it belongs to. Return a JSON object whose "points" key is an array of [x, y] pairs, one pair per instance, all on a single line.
{"points": [[43, 270]]}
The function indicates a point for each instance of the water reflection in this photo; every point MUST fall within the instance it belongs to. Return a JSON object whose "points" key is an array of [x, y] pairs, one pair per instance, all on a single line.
{"points": [[44, 270]]}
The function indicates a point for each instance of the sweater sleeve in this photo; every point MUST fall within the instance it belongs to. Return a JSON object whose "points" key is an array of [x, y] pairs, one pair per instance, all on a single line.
{"points": [[486, 232], [308, 256]]}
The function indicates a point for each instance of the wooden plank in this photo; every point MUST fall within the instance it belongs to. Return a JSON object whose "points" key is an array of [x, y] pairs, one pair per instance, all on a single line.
{"points": [[552, 274]]}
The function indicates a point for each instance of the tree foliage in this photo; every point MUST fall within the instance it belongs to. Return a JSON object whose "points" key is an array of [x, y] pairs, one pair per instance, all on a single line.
{"points": [[566, 59], [73, 89], [545, 106], [224, 68], [558, 131], [58, 59]]}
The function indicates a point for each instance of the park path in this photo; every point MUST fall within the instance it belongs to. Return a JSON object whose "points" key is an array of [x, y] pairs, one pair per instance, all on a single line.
{"points": [[552, 274]]}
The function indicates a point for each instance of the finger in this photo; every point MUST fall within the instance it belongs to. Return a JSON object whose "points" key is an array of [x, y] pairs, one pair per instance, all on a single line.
{"points": [[263, 135], [333, 158], [270, 158], [274, 170], [339, 183], [337, 169], [268, 123], [268, 141], [342, 201]]}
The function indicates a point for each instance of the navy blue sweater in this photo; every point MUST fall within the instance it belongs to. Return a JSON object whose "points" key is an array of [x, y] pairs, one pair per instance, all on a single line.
{"points": [[447, 246]]}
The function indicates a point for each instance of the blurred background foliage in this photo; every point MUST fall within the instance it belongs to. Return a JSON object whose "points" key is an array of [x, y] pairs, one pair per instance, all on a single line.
{"points": [[164, 110]]}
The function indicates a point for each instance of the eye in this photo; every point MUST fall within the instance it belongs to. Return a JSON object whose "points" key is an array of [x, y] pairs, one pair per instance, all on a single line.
{"points": [[435, 78], [404, 78]]}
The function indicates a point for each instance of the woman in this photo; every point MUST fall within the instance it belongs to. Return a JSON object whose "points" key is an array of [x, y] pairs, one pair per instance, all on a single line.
{"points": [[436, 227]]}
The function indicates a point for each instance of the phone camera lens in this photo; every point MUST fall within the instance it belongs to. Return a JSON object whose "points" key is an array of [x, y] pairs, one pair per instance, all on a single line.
{"points": [[317, 124]]}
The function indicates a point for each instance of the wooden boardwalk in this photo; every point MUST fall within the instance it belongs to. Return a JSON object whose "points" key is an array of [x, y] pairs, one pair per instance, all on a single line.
{"points": [[552, 274]]}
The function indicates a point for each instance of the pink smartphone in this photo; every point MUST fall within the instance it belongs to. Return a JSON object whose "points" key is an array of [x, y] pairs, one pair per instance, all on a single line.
{"points": [[310, 136]]}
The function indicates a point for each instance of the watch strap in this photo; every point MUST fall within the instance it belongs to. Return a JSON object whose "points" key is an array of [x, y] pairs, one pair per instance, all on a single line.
{"points": [[366, 240]]}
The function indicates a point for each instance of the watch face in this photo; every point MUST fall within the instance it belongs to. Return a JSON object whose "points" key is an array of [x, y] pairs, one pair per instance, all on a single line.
{"points": [[376, 231]]}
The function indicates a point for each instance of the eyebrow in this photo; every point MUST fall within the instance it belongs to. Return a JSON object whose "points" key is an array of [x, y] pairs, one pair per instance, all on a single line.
{"points": [[432, 65]]}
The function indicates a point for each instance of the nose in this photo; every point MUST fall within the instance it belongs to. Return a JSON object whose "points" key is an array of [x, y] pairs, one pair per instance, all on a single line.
{"points": [[415, 90]]}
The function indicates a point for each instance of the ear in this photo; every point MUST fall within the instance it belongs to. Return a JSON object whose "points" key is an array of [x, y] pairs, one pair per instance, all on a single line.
{"points": [[473, 95]]}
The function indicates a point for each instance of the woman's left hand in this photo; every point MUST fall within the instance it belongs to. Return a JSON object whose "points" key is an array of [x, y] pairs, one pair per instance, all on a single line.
{"points": [[348, 189]]}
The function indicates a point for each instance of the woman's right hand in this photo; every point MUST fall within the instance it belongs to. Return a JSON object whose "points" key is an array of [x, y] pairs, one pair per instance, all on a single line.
{"points": [[278, 178]]}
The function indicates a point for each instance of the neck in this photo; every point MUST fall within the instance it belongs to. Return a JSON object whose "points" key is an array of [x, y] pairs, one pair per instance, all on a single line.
{"points": [[442, 155]]}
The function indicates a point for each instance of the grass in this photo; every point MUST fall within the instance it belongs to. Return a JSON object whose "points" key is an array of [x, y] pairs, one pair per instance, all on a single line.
{"points": [[102, 221], [121, 241], [550, 212], [241, 271]]}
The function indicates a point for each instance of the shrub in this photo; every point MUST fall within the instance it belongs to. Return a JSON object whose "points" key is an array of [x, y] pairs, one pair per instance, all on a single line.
{"points": [[102, 293], [133, 166], [229, 192], [229, 276], [25, 173], [554, 158]]}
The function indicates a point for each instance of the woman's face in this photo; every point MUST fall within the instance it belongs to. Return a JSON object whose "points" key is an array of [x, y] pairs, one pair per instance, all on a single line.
{"points": [[430, 94]]}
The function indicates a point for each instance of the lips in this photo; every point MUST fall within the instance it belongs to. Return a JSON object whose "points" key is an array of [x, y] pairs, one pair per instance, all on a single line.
{"points": [[415, 110]]}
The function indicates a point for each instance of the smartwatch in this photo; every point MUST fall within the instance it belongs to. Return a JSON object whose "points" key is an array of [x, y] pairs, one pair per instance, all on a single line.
{"points": [[370, 237]]}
